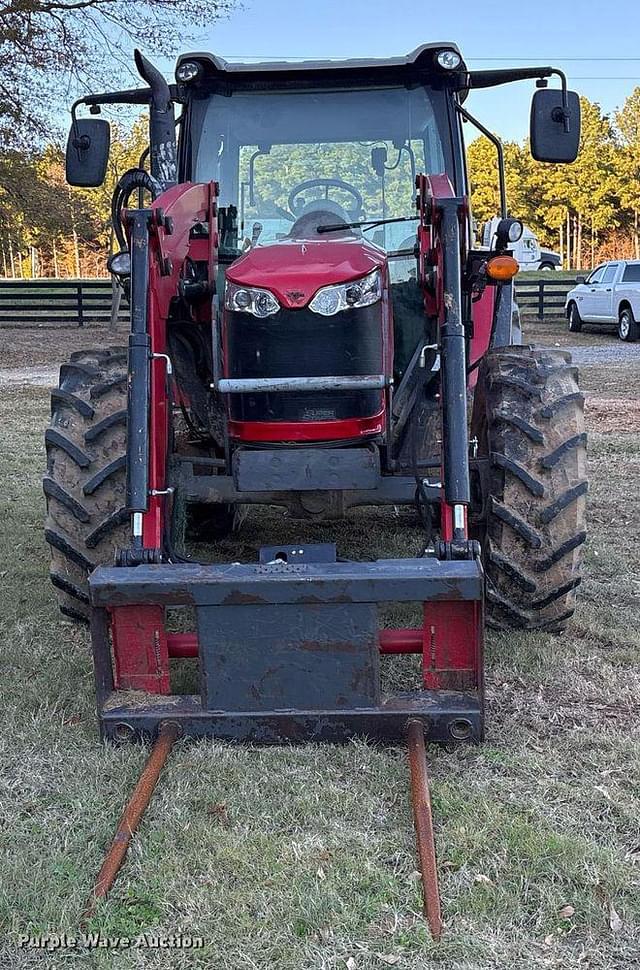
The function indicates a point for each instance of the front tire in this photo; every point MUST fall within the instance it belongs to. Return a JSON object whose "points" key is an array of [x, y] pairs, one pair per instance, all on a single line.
{"points": [[574, 319], [628, 329], [85, 480], [528, 416]]}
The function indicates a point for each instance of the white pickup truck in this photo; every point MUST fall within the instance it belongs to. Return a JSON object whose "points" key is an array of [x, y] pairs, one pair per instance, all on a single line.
{"points": [[610, 295]]}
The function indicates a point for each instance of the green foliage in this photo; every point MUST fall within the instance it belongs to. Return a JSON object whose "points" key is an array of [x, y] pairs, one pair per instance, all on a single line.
{"points": [[599, 192], [597, 198], [38, 209], [628, 125]]}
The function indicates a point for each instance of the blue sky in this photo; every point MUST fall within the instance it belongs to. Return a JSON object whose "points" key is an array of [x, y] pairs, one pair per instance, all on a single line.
{"points": [[489, 33]]}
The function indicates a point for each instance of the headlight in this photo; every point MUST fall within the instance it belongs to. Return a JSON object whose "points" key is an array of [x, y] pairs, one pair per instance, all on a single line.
{"points": [[347, 296], [120, 263], [248, 299]]}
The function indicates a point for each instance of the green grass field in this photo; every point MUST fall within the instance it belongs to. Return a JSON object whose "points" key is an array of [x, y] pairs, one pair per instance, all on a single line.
{"points": [[304, 857]]}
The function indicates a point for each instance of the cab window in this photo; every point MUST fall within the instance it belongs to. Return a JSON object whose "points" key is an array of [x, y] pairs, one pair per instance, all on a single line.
{"points": [[596, 276], [631, 273], [610, 272]]}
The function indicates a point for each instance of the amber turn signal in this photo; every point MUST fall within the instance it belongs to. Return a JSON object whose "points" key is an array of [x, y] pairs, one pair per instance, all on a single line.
{"points": [[502, 268]]}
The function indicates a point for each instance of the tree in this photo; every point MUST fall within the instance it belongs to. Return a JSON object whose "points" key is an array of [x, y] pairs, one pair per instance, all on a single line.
{"points": [[46, 46], [482, 160], [561, 200], [628, 162], [585, 193], [67, 228]]}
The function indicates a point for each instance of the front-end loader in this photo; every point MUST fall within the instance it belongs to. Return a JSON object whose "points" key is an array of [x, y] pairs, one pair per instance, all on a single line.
{"points": [[312, 327]]}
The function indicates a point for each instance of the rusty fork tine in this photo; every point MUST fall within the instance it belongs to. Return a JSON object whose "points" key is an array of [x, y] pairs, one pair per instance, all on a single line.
{"points": [[134, 810], [423, 820]]}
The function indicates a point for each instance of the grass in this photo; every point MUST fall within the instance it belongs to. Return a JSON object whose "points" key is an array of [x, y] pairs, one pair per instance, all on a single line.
{"points": [[559, 275], [304, 857]]}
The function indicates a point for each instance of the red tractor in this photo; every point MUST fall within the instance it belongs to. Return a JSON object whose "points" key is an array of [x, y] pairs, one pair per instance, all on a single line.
{"points": [[311, 328]]}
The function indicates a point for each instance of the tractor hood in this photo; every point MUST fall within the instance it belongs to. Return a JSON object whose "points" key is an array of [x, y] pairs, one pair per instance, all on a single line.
{"points": [[294, 270]]}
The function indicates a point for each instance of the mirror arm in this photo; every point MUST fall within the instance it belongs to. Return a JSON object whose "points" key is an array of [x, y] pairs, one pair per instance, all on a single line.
{"points": [[564, 111], [500, 151], [489, 79], [252, 200], [93, 102], [80, 142], [261, 150]]}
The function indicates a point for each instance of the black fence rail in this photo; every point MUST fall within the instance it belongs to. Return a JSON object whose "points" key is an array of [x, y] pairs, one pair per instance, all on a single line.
{"points": [[543, 298], [64, 303], [56, 303]]}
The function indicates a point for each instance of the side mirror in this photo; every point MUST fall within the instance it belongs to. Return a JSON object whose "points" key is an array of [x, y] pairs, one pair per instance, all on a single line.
{"points": [[549, 140], [581, 279], [88, 152]]}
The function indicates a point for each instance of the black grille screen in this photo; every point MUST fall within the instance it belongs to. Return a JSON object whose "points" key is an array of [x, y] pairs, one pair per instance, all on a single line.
{"points": [[300, 343]]}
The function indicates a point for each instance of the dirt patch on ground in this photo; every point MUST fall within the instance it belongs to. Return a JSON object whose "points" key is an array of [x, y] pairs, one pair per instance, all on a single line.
{"points": [[36, 376], [611, 415], [40, 346]]}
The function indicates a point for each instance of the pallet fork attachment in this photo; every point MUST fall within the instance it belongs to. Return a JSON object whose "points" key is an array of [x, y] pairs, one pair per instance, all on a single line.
{"points": [[168, 734], [131, 817]]}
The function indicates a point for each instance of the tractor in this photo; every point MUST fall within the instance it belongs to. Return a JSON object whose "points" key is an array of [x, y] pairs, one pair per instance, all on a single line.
{"points": [[314, 328]]}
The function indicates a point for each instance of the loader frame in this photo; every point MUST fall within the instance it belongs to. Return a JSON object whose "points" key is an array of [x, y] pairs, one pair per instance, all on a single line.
{"points": [[288, 648], [301, 631]]}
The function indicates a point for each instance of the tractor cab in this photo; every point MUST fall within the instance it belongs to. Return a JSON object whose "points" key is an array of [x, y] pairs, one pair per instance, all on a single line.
{"points": [[316, 166]]}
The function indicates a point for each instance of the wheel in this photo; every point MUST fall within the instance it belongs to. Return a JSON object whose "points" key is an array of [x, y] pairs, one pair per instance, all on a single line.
{"points": [[85, 480], [627, 327], [546, 266], [575, 321], [528, 417]]}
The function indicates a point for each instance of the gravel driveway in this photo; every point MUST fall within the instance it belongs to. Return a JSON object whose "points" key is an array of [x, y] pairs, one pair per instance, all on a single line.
{"points": [[615, 352]]}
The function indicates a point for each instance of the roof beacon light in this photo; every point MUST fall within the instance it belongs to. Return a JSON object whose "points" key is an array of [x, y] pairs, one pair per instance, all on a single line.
{"points": [[188, 71], [449, 60]]}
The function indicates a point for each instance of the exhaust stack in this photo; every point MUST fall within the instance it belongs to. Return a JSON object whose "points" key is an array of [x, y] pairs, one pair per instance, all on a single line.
{"points": [[162, 124]]}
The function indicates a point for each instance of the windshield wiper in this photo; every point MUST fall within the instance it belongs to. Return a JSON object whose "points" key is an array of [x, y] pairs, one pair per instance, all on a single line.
{"points": [[367, 224]]}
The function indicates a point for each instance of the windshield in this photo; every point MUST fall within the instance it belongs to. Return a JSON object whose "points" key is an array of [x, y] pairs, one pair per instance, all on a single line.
{"points": [[291, 161]]}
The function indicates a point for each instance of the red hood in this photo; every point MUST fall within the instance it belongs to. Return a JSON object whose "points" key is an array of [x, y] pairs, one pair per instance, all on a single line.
{"points": [[294, 270]]}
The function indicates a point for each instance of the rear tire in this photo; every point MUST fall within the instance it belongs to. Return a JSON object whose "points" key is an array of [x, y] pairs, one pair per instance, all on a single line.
{"points": [[528, 416], [85, 481], [574, 318], [628, 329]]}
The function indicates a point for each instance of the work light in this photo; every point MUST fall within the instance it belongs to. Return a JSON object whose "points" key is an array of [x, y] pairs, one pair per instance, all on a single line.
{"points": [[188, 71], [449, 60]]}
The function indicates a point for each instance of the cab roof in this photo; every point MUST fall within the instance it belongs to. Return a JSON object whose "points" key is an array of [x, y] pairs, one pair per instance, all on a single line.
{"points": [[420, 63]]}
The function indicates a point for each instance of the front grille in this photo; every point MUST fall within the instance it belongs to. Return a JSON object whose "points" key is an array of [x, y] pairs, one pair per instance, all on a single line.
{"points": [[300, 343]]}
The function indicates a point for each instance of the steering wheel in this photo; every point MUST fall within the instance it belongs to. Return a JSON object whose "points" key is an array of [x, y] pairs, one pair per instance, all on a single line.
{"points": [[298, 208]]}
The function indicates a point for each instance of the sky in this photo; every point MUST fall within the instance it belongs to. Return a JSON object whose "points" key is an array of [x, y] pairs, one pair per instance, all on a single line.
{"points": [[596, 44]]}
